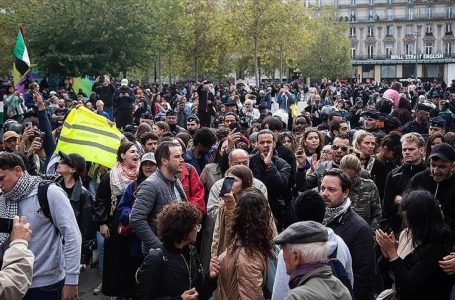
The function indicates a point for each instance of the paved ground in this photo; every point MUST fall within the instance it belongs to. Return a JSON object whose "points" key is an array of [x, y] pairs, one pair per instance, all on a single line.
{"points": [[88, 281]]}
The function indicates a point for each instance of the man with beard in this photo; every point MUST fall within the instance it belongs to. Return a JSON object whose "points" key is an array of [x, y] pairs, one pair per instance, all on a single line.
{"points": [[314, 176], [354, 231], [438, 179], [192, 124], [298, 127], [59, 114], [171, 120], [158, 190], [420, 123], [202, 151], [371, 123], [413, 148], [273, 172]]}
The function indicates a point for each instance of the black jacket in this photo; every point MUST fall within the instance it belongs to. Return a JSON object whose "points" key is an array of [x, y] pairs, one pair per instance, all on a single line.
{"points": [[275, 179], [124, 102], [358, 236], [82, 203], [165, 274], [444, 192], [396, 184]]}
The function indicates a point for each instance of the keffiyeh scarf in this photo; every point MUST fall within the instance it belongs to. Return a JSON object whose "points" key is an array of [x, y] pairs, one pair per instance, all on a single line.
{"points": [[332, 212], [120, 177], [9, 201]]}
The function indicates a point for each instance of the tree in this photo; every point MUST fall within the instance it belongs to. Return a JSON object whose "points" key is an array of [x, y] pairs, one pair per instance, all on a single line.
{"points": [[325, 53], [85, 37]]}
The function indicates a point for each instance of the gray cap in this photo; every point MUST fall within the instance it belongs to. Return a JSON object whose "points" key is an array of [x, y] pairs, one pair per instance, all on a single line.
{"points": [[148, 157], [302, 233]]}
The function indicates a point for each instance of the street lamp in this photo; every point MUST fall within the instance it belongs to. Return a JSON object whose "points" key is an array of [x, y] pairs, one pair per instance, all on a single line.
{"points": [[417, 34]]}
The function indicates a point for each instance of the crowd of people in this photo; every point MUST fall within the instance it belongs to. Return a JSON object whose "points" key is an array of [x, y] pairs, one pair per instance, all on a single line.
{"points": [[324, 191]]}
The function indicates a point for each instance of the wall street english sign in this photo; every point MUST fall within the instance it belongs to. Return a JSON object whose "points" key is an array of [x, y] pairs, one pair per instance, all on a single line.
{"points": [[419, 56]]}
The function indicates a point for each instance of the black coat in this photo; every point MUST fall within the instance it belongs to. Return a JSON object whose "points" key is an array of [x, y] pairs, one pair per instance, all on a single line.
{"points": [[358, 236], [396, 184], [167, 272]]}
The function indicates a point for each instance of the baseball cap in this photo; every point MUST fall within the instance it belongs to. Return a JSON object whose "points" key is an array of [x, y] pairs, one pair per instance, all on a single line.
{"points": [[372, 113], [443, 151], [74, 160], [124, 82], [438, 122], [148, 157], [10, 134]]}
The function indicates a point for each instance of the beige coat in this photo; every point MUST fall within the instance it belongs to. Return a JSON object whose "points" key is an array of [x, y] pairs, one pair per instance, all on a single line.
{"points": [[17, 270]]}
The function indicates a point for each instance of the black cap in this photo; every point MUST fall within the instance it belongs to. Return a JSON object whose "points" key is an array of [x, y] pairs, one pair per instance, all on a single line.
{"points": [[74, 160], [171, 113], [443, 151], [231, 104], [193, 118], [146, 115], [422, 106], [372, 113], [303, 233], [263, 105], [438, 122]]}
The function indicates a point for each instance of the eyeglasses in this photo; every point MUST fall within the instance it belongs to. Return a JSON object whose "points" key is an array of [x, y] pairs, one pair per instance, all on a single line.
{"points": [[343, 148], [198, 227]]}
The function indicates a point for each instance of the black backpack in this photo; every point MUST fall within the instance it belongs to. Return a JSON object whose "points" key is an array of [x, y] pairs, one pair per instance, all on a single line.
{"points": [[43, 186], [339, 271]]}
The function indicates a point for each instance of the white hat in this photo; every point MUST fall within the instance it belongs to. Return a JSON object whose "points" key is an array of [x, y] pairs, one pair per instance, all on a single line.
{"points": [[124, 82], [148, 157]]}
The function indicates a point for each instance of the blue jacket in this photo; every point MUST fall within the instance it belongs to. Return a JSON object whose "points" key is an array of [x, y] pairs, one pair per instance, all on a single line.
{"points": [[207, 157], [285, 103]]}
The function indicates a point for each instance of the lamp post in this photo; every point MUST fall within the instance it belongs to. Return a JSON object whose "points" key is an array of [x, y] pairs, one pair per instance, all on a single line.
{"points": [[417, 34]]}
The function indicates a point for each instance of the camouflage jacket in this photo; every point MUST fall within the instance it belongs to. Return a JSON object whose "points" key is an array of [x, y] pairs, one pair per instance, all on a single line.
{"points": [[366, 202]]}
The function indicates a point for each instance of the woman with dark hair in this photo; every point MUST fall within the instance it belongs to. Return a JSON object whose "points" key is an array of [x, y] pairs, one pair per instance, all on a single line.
{"points": [[250, 240], [403, 113], [312, 143], [155, 106], [425, 241], [433, 140], [111, 188], [449, 138], [287, 138], [389, 151], [213, 172], [174, 271], [70, 169]]}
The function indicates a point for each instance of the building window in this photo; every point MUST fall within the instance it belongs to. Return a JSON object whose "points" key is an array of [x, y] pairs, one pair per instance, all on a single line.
{"points": [[433, 70], [429, 29], [388, 50], [410, 1], [367, 71], [370, 51], [429, 48], [448, 49], [370, 15], [370, 31], [449, 12], [430, 12], [409, 48], [352, 15], [388, 71], [353, 53], [352, 31], [448, 27], [410, 13], [389, 1], [389, 30], [352, 2], [389, 14], [409, 30], [409, 70], [371, 2]]}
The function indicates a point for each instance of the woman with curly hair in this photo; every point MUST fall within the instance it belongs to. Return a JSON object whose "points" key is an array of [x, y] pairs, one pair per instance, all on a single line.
{"points": [[250, 235], [174, 270], [287, 138]]}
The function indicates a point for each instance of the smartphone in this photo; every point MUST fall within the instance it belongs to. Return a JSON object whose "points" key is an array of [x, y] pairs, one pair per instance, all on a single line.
{"points": [[227, 185], [6, 225], [28, 125], [235, 126]]}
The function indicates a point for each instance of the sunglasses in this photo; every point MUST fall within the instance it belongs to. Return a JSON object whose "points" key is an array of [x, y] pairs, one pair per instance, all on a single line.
{"points": [[343, 148]]}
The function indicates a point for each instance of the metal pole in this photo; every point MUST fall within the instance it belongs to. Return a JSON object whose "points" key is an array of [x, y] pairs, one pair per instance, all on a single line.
{"points": [[417, 36]]}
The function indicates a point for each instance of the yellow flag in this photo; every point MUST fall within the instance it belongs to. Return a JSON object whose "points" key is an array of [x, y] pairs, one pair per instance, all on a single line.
{"points": [[90, 135]]}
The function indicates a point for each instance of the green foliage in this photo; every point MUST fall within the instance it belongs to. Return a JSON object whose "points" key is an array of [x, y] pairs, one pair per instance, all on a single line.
{"points": [[183, 39]]}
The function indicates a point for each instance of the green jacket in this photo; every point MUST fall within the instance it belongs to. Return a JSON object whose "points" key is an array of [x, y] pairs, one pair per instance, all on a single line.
{"points": [[319, 284], [366, 202]]}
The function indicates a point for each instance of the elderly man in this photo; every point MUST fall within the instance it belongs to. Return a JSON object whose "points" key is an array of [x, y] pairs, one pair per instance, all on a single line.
{"points": [[304, 247]]}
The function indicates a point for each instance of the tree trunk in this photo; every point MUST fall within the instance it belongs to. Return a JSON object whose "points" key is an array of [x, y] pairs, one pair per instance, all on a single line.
{"points": [[281, 63], [256, 64]]}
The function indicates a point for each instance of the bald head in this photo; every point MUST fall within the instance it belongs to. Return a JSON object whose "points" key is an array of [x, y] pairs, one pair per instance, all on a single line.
{"points": [[238, 157]]}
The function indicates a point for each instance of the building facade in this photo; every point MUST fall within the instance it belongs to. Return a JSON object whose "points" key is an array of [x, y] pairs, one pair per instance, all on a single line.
{"points": [[399, 39]]}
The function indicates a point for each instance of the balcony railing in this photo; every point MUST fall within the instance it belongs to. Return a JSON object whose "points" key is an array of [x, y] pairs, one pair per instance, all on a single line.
{"points": [[404, 58], [396, 17]]}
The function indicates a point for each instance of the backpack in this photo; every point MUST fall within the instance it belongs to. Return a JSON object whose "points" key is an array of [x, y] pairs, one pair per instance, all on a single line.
{"points": [[339, 271], [43, 186]]}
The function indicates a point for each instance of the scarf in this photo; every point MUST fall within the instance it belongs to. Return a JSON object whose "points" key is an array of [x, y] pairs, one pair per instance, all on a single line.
{"points": [[120, 177], [301, 271], [9, 201], [332, 212]]}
